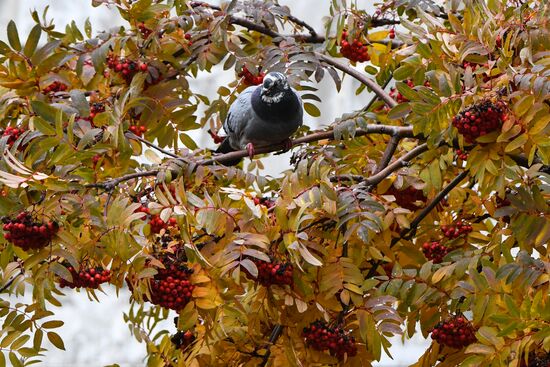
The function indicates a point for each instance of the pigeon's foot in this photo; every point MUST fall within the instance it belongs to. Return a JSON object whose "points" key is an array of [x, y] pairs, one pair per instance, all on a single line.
{"points": [[287, 145], [250, 149]]}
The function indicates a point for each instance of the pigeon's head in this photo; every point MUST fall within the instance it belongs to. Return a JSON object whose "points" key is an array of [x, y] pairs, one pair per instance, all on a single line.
{"points": [[274, 87]]}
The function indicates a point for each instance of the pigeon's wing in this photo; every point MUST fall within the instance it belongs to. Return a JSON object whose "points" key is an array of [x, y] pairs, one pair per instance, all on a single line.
{"points": [[240, 114], [300, 111]]}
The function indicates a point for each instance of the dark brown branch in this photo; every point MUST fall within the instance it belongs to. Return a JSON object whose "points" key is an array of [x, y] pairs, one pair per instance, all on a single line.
{"points": [[378, 90], [300, 22], [399, 163], [10, 282], [312, 37], [131, 135], [411, 231], [275, 334], [388, 153], [375, 97], [402, 131], [407, 233], [110, 184]]}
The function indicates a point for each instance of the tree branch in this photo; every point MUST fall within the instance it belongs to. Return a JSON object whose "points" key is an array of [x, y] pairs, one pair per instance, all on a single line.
{"points": [[401, 131], [409, 232], [378, 90], [399, 163], [131, 135], [388, 153], [10, 282], [275, 334], [312, 37]]}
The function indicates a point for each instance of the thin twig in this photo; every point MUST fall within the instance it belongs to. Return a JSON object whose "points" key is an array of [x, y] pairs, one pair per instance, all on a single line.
{"points": [[10, 282], [375, 97], [377, 89], [131, 135]]}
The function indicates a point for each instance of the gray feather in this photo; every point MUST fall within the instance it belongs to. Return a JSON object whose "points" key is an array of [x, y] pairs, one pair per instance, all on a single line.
{"points": [[261, 118]]}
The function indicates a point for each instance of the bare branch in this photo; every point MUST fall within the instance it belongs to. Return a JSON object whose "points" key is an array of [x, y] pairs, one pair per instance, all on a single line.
{"points": [[275, 333], [388, 153], [378, 90], [399, 163], [131, 135], [402, 131], [409, 232], [10, 282]]}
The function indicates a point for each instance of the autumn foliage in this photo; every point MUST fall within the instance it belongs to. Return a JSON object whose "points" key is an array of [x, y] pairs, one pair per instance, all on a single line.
{"points": [[424, 212]]}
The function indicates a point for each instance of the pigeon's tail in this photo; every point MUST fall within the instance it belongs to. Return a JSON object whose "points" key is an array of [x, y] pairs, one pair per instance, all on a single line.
{"points": [[225, 147]]}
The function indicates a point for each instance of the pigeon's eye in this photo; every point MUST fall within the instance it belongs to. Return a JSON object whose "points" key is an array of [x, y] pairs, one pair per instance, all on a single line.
{"points": [[268, 83]]}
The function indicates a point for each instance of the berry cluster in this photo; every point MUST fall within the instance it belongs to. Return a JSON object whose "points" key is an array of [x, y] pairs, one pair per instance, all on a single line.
{"points": [[456, 332], [407, 198], [541, 360], [249, 78], [55, 87], [145, 32], [435, 251], [467, 64], [13, 134], [320, 336], [182, 339], [138, 130], [498, 41], [480, 119], [188, 38], [462, 155], [267, 202], [354, 51], [96, 108], [158, 224], [86, 278], [95, 159], [398, 97], [24, 232], [456, 230], [128, 68], [272, 273], [171, 288]]}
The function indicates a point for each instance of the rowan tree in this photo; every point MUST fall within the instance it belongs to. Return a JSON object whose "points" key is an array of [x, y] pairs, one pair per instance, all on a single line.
{"points": [[427, 211]]}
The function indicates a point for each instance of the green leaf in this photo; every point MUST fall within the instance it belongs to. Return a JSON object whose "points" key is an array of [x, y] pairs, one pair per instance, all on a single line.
{"points": [[88, 28], [15, 362], [13, 36], [312, 110], [20, 341], [44, 110], [399, 111], [52, 324], [32, 41], [45, 51], [403, 72], [516, 143], [56, 340]]}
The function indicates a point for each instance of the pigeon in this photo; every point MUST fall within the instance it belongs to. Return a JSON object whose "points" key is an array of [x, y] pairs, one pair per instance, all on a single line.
{"points": [[262, 115]]}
